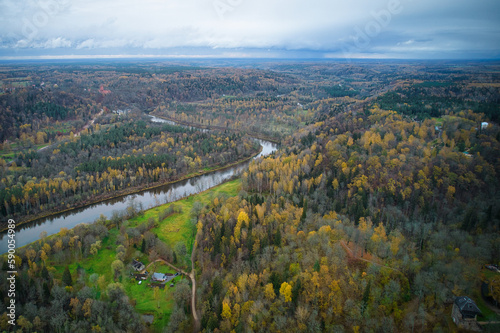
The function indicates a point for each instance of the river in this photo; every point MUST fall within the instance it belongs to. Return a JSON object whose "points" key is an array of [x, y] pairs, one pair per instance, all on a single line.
{"points": [[30, 232]]}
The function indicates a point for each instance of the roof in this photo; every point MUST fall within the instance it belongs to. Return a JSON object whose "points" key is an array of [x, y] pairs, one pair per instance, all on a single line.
{"points": [[137, 265], [465, 304], [135, 262], [162, 277], [158, 276]]}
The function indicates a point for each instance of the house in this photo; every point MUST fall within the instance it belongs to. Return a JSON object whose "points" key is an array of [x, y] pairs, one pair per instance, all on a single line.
{"points": [[464, 313], [160, 277], [137, 265]]}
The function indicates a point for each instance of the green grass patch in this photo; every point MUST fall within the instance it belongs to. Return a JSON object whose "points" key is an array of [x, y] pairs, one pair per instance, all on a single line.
{"points": [[142, 295], [7, 155], [99, 263], [179, 227], [486, 313], [438, 121], [490, 274]]}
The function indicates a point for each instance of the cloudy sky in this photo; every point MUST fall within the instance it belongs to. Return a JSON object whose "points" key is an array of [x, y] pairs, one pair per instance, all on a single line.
{"points": [[450, 29]]}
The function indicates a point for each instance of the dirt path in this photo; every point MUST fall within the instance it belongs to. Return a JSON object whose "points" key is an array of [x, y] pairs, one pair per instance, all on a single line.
{"points": [[90, 123], [165, 262], [77, 133], [191, 276], [197, 324], [490, 306]]}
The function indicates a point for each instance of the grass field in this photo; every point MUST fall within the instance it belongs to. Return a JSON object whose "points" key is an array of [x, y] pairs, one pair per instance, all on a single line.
{"points": [[486, 313], [176, 228], [15, 149], [181, 227], [490, 274]]}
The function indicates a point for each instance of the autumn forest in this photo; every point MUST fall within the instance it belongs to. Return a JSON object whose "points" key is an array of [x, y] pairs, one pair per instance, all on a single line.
{"points": [[380, 206]]}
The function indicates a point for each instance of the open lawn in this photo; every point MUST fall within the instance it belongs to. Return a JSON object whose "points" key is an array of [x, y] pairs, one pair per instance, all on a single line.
{"points": [[15, 149], [181, 227], [490, 274], [438, 121], [142, 295], [486, 313]]}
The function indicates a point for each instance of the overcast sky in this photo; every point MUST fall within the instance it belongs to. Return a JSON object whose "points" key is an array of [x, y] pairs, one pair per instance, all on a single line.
{"points": [[429, 29]]}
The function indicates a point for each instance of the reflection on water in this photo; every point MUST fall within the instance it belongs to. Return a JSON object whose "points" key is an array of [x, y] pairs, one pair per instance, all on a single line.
{"points": [[30, 232]]}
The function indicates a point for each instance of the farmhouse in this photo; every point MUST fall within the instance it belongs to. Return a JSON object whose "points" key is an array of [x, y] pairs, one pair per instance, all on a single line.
{"points": [[464, 313], [160, 277]]}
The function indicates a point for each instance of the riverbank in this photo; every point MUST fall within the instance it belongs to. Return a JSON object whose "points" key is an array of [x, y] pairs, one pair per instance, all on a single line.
{"points": [[128, 191]]}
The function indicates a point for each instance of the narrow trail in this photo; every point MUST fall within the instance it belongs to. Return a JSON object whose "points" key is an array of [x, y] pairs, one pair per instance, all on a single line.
{"points": [[165, 262], [191, 276], [90, 123], [77, 133], [490, 306]]}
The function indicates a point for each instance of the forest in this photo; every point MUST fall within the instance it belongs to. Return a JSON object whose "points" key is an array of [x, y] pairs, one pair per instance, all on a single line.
{"points": [[99, 163], [380, 207]]}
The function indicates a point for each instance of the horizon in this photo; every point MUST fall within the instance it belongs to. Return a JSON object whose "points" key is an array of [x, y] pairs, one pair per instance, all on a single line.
{"points": [[154, 58], [382, 29]]}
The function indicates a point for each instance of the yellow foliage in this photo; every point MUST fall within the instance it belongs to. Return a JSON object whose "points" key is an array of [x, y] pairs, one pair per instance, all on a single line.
{"points": [[226, 310], [326, 229], [269, 292], [286, 291]]}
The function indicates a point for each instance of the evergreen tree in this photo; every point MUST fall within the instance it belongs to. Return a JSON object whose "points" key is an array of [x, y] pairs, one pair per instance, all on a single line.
{"points": [[66, 278], [45, 273], [277, 238], [366, 296], [46, 293], [304, 211]]}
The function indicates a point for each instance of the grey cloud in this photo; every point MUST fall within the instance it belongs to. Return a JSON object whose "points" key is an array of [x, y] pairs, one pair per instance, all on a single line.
{"points": [[319, 25]]}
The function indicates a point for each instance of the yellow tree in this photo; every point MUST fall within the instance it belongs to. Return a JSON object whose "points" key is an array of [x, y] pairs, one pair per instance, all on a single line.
{"points": [[242, 218], [226, 310], [286, 291], [269, 292]]}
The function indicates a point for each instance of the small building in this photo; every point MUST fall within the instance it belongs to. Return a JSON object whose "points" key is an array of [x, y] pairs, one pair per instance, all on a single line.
{"points": [[464, 313], [137, 265], [160, 277], [484, 125]]}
